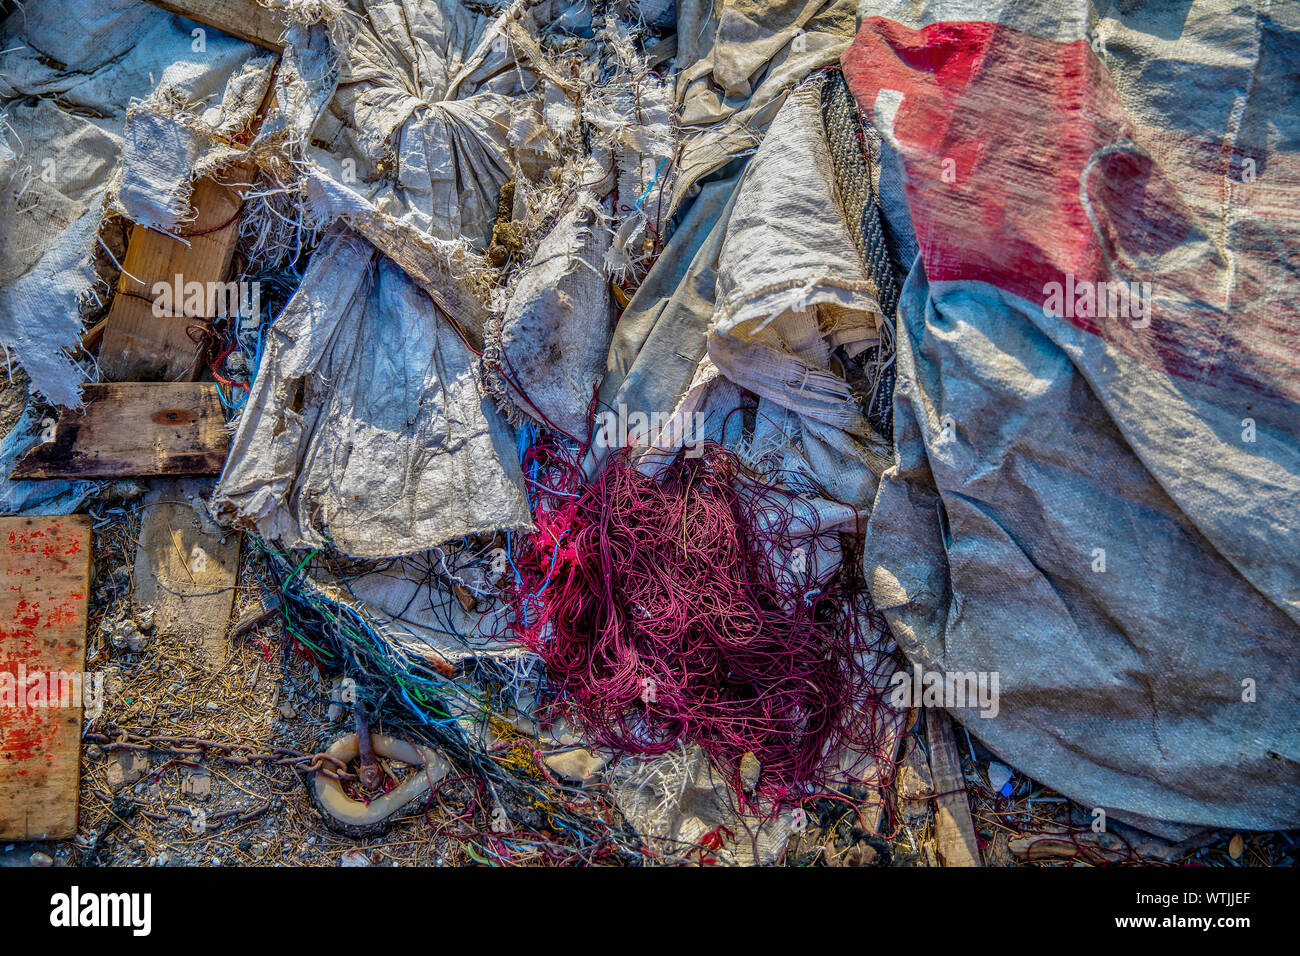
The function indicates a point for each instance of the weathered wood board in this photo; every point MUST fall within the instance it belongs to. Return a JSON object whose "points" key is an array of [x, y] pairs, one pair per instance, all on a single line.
{"points": [[141, 346], [244, 19], [184, 571], [131, 429], [954, 831], [45, 570]]}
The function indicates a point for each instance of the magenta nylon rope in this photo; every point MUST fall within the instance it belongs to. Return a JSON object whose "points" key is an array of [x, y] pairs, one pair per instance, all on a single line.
{"points": [[659, 611]]}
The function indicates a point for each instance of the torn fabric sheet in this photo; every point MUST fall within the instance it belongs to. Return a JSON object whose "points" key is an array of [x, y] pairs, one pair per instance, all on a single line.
{"points": [[428, 118], [1076, 471], [118, 54], [791, 289], [82, 36], [632, 109], [55, 172], [367, 426], [656, 351], [737, 63], [734, 75], [552, 341], [433, 111], [170, 143], [774, 286], [60, 172]]}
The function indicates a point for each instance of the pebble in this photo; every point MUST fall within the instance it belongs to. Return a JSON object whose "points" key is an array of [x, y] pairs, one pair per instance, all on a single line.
{"points": [[196, 784], [1236, 846], [750, 769], [126, 768], [41, 859], [999, 777]]}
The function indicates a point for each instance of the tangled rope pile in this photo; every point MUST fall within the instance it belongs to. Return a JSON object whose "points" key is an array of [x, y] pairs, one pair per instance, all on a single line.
{"points": [[684, 606]]}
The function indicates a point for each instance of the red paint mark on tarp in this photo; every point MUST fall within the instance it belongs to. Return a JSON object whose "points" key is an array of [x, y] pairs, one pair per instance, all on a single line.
{"points": [[1048, 177]]}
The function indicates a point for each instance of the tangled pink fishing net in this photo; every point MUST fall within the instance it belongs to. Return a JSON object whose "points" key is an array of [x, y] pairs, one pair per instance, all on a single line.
{"points": [[683, 606]]}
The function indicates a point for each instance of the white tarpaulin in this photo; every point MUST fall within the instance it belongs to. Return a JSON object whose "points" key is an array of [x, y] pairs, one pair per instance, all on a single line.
{"points": [[367, 425], [60, 171]]}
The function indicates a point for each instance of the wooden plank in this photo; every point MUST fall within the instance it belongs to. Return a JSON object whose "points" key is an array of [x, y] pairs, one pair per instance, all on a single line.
{"points": [[244, 19], [141, 346], [45, 569], [185, 568], [954, 831], [135, 429]]}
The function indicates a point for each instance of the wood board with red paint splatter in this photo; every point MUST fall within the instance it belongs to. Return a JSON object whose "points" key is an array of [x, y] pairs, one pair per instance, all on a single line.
{"points": [[44, 583]]}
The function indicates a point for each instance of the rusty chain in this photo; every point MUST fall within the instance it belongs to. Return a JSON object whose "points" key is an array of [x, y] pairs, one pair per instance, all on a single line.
{"points": [[230, 751]]}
